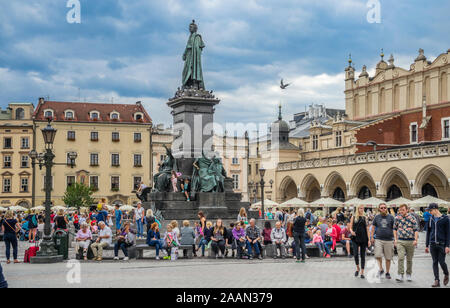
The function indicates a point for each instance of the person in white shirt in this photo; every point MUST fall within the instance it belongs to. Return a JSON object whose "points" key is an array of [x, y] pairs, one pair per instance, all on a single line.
{"points": [[139, 220], [104, 240]]}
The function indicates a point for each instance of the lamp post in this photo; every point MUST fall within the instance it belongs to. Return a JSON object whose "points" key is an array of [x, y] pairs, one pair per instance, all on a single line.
{"points": [[47, 252], [262, 184]]}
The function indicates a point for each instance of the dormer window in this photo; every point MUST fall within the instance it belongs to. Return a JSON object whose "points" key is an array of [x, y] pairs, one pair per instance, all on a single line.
{"points": [[138, 116], [114, 116], [69, 115], [48, 113], [94, 115]]}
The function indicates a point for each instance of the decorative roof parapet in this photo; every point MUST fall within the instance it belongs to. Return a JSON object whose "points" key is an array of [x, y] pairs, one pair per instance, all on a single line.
{"points": [[421, 56]]}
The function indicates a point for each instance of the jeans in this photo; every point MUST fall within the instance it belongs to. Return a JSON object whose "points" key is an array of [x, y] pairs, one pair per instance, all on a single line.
{"points": [[300, 243], [323, 248], [3, 283], [203, 244], [215, 246], [240, 248], [356, 253], [140, 227], [157, 245], [10, 240], [438, 256], [122, 245], [255, 247], [118, 224]]}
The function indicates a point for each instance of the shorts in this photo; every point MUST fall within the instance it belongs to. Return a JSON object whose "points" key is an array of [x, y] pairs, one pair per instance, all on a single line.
{"points": [[384, 248]]}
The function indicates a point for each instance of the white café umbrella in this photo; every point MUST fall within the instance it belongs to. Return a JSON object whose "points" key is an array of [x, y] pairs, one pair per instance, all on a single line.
{"points": [[18, 208], [327, 202], [126, 208], [267, 204], [295, 203], [39, 208], [398, 202], [426, 201], [58, 207], [372, 202], [3, 209], [353, 202]]}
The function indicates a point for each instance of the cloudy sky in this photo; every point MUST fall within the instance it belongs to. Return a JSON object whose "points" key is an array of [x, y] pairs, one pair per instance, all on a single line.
{"points": [[131, 50]]}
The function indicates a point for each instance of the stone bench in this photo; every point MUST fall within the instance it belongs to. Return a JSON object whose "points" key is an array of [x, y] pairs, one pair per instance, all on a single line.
{"points": [[141, 247]]}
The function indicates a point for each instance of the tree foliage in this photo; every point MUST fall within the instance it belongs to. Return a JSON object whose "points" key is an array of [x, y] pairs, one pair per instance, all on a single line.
{"points": [[78, 195]]}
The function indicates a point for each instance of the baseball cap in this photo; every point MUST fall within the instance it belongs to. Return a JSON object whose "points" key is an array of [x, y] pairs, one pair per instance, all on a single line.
{"points": [[433, 206]]}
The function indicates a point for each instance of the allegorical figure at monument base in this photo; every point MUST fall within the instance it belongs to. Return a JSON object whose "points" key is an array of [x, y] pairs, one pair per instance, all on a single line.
{"points": [[192, 57]]}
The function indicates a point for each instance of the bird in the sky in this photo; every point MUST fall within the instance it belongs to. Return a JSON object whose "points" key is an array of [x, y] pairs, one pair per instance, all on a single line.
{"points": [[284, 86]]}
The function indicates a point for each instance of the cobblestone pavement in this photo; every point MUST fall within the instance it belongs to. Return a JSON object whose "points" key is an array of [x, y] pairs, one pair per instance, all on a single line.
{"points": [[200, 273]]}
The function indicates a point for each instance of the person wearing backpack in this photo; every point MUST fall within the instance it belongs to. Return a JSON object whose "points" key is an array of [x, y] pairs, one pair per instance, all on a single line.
{"points": [[32, 226], [10, 227]]}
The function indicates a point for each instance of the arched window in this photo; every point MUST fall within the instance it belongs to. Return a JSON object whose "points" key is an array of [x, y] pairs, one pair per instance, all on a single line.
{"points": [[393, 193], [429, 190], [396, 97], [339, 194], [20, 114], [138, 116], [94, 115], [369, 107], [69, 115], [48, 114], [426, 90], [356, 106], [114, 116], [364, 193], [443, 97]]}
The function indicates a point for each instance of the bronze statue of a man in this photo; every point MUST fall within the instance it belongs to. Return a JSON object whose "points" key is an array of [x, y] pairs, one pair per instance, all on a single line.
{"points": [[192, 57]]}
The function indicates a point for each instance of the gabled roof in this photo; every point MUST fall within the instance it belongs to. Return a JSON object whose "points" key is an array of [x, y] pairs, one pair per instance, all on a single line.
{"points": [[82, 110]]}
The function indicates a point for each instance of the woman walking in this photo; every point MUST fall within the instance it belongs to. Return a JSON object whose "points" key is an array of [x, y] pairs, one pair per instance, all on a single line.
{"points": [[360, 238], [10, 227]]}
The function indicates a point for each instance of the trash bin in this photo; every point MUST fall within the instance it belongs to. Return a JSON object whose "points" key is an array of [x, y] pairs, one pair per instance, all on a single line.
{"points": [[61, 239]]}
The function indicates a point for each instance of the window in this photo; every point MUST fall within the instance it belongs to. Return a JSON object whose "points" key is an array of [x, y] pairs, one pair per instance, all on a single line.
{"points": [[93, 182], [137, 160], [71, 135], [413, 132], [24, 161], [235, 161], [115, 136], [249, 169], [257, 169], [24, 184], [315, 142], [7, 161], [48, 114], [94, 159], [20, 114], [115, 160], [7, 143], [7, 185], [115, 116], [136, 182], [446, 128], [115, 183], [235, 181], [94, 136], [25, 143], [94, 116], [137, 137], [138, 116], [338, 139], [70, 180], [69, 115]]}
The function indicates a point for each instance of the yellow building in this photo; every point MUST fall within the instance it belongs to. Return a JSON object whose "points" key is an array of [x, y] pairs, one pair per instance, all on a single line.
{"points": [[113, 146], [16, 139]]}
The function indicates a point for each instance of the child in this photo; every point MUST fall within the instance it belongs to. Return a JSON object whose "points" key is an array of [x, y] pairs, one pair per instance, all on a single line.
{"points": [[207, 233], [170, 242], [186, 189], [230, 241], [266, 233], [174, 181], [318, 241]]}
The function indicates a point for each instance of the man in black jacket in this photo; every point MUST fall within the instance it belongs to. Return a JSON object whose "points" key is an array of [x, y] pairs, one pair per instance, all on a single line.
{"points": [[299, 235], [438, 242]]}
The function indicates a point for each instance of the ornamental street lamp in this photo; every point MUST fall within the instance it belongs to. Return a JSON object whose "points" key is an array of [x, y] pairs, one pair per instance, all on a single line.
{"points": [[262, 172], [47, 252]]}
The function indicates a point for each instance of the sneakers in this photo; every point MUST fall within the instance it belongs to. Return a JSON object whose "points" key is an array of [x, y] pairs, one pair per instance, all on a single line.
{"points": [[166, 258], [380, 273], [400, 278], [116, 258], [126, 259], [328, 256], [157, 258], [387, 276], [408, 277]]}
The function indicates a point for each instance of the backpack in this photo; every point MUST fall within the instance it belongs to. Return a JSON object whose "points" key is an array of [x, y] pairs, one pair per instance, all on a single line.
{"points": [[34, 220]]}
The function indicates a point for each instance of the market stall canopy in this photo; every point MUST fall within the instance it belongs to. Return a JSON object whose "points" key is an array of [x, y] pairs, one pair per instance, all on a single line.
{"points": [[295, 203], [18, 208], [326, 202], [126, 208], [372, 202], [267, 204], [399, 201], [39, 208], [59, 207], [353, 202], [426, 201]]}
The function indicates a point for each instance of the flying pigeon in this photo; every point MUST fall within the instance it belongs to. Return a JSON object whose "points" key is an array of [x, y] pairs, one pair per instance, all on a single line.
{"points": [[284, 86]]}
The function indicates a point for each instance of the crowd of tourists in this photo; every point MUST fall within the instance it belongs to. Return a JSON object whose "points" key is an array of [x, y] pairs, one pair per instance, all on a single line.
{"points": [[287, 235]]}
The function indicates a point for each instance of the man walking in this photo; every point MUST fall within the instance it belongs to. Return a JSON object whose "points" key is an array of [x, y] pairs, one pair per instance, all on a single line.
{"points": [[383, 225], [438, 242], [406, 236]]}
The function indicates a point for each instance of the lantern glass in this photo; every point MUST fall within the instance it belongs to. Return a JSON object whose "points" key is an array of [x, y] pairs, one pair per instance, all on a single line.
{"points": [[262, 172], [49, 134]]}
